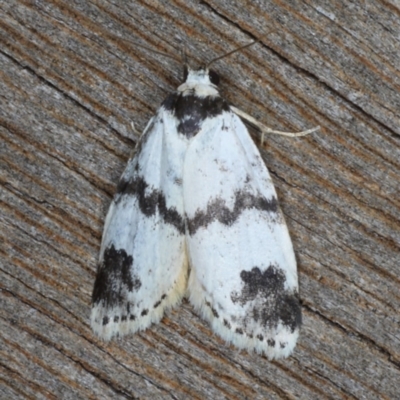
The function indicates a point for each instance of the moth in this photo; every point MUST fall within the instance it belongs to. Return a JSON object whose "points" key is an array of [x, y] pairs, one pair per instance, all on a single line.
{"points": [[196, 214]]}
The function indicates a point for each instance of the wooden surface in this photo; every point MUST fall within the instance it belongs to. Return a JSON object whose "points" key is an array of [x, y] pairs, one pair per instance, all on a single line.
{"points": [[72, 82]]}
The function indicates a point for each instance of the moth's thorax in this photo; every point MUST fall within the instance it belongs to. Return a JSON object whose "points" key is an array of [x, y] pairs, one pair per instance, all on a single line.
{"points": [[198, 83]]}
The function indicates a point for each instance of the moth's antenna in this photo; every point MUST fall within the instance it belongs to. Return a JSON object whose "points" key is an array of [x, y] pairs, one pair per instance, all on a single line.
{"points": [[231, 52], [155, 51], [184, 62], [184, 57]]}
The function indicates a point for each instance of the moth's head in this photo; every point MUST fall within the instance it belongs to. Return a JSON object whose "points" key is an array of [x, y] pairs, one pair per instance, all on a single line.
{"points": [[202, 75]]}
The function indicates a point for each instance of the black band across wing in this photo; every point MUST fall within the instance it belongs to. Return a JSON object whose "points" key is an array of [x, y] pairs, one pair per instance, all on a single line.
{"points": [[151, 202], [217, 210]]}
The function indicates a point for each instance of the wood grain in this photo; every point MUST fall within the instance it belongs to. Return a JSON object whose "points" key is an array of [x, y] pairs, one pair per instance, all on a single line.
{"points": [[72, 80]]}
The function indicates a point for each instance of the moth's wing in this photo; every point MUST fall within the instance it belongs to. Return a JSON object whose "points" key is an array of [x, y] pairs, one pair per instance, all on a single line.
{"points": [[143, 264], [243, 271]]}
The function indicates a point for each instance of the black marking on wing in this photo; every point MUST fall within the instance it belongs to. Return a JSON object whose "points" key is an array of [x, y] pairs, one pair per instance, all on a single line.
{"points": [[114, 279], [227, 324], [213, 310], [191, 110], [218, 210], [273, 303], [150, 201]]}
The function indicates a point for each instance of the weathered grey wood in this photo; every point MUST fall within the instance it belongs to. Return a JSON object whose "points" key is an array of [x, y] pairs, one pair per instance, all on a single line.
{"points": [[71, 83]]}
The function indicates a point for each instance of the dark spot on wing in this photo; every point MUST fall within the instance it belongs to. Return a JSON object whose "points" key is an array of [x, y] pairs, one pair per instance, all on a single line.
{"points": [[144, 312], [114, 280], [271, 342], [157, 303], [213, 310], [227, 324], [217, 210], [215, 313], [271, 303]]}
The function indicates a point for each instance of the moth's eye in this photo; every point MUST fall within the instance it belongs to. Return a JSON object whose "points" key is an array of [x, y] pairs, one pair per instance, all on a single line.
{"points": [[185, 73], [214, 77]]}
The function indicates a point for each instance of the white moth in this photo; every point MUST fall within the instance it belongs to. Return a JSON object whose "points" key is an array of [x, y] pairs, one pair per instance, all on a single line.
{"points": [[196, 214]]}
